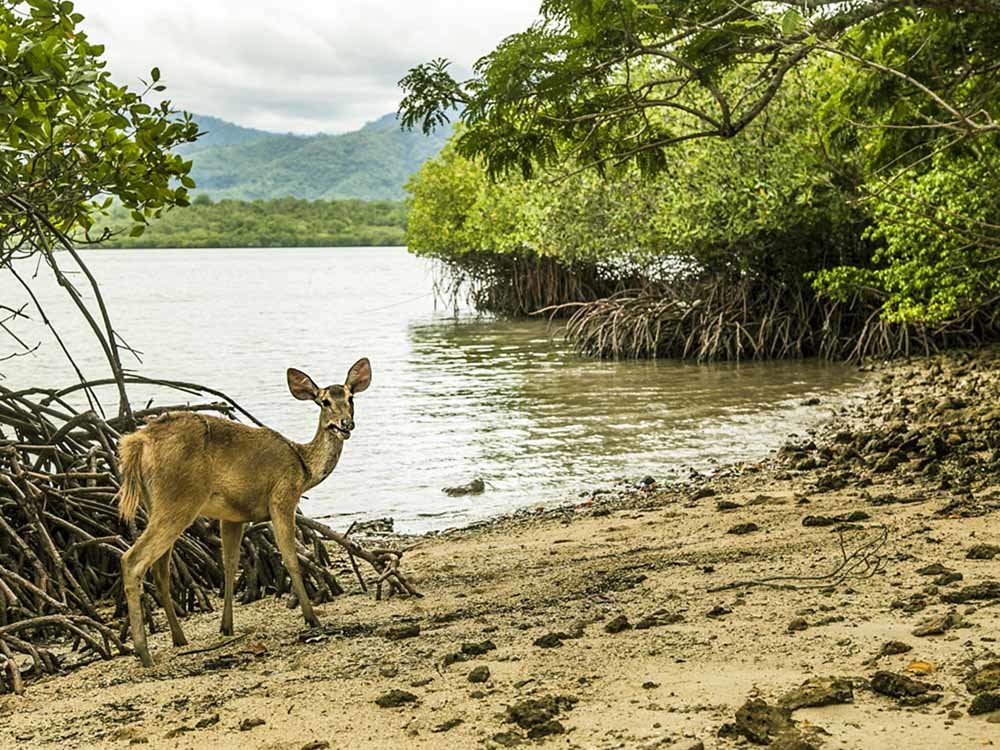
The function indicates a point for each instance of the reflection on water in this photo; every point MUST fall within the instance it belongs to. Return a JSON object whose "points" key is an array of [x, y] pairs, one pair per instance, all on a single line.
{"points": [[450, 400]]}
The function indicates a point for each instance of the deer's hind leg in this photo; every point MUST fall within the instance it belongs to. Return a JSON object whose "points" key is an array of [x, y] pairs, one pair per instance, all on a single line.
{"points": [[165, 525], [161, 574]]}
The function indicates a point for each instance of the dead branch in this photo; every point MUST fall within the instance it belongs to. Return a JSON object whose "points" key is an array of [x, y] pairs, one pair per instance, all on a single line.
{"points": [[864, 561]]}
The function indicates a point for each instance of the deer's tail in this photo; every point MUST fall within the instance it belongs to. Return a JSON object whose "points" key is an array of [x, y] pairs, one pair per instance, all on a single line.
{"points": [[132, 487]]}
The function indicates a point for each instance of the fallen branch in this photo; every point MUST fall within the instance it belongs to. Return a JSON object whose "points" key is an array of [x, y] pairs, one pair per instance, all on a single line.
{"points": [[864, 561]]}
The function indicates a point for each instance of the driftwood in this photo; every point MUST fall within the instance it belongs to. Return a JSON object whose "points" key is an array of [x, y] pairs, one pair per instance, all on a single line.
{"points": [[61, 539]]}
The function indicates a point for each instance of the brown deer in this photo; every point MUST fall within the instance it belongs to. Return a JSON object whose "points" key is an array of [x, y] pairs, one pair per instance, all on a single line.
{"points": [[183, 465]]}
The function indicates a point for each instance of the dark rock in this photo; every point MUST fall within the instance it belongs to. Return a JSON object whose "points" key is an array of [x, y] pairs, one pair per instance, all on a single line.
{"points": [[946, 579], [447, 726], [984, 703], [724, 505], [979, 591], [550, 640], [818, 521], [316, 745], [743, 528], [478, 649], [453, 658], [759, 722], [208, 721], [891, 648], [938, 625], [718, 611], [475, 487], [983, 552], [903, 688], [546, 729], [799, 623], [617, 624], [658, 619], [247, 724], [934, 569], [649, 685], [395, 698], [702, 492], [985, 679], [399, 632], [479, 674], [508, 739], [533, 712], [818, 691]]}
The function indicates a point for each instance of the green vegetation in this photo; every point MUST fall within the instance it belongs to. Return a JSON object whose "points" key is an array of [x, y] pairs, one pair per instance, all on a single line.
{"points": [[71, 136], [731, 179], [371, 163], [288, 222]]}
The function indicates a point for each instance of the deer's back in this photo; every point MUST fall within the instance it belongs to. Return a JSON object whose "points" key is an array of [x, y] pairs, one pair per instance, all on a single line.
{"points": [[232, 467]]}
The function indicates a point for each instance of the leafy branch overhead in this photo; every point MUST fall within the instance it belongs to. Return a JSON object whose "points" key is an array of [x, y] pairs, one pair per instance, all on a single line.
{"points": [[610, 82], [72, 137]]}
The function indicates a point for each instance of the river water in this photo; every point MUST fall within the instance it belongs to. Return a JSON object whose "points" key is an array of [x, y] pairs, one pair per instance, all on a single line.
{"points": [[452, 398]]}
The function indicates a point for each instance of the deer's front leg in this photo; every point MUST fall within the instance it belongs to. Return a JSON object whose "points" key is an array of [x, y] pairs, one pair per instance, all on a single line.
{"points": [[283, 522]]}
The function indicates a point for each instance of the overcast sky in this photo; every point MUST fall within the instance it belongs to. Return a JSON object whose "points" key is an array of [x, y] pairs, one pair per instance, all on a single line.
{"points": [[303, 66]]}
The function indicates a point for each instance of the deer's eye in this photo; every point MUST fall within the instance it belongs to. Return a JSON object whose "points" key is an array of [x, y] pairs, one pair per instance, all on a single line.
{"points": [[326, 402]]}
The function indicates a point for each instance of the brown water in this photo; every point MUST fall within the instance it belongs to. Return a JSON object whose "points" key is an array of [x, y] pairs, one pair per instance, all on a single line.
{"points": [[451, 399]]}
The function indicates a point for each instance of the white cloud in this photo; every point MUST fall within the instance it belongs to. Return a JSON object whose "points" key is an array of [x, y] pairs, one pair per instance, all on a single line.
{"points": [[296, 65]]}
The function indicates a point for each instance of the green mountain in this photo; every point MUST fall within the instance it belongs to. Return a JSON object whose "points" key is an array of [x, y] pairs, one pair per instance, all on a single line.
{"points": [[372, 163]]}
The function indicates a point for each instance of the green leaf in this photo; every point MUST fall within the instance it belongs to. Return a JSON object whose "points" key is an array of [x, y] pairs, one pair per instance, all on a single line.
{"points": [[791, 22]]}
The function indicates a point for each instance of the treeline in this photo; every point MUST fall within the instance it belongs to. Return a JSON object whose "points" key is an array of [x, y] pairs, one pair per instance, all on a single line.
{"points": [[855, 215], [285, 222]]}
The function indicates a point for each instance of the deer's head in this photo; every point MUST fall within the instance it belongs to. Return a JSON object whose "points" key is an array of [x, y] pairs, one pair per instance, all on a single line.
{"points": [[336, 402]]}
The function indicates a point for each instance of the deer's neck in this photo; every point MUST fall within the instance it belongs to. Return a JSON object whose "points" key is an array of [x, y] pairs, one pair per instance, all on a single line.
{"points": [[321, 454]]}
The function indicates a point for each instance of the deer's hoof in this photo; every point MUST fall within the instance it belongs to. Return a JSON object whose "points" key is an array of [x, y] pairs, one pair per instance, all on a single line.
{"points": [[145, 658]]}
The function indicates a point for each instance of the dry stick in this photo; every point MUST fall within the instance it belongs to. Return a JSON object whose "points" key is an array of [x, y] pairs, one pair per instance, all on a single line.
{"points": [[379, 559], [864, 557]]}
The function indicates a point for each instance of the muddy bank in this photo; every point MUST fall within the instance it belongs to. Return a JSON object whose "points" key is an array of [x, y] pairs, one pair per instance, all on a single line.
{"points": [[844, 594]]}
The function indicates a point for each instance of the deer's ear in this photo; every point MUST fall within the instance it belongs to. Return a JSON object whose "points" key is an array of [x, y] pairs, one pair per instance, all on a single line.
{"points": [[301, 385], [359, 376]]}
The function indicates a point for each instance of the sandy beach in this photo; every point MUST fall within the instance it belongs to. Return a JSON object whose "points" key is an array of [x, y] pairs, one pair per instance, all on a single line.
{"points": [[863, 560]]}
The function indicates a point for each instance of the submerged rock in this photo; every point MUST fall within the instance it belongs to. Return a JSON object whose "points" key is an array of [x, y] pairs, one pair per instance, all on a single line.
{"points": [[474, 487]]}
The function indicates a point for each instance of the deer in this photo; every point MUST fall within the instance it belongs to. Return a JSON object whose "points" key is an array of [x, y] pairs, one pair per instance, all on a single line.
{"points": [[185, 465]]}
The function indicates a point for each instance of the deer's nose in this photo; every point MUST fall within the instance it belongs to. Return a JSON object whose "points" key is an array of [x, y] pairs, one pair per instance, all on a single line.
{"points": [[347, 423]]}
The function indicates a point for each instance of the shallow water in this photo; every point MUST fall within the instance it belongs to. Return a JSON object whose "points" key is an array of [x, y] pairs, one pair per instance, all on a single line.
{"points": [[451, 399]]}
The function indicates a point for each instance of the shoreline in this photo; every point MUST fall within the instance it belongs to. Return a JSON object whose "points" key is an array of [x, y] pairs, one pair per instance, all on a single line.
{"points": [[633, 620]]}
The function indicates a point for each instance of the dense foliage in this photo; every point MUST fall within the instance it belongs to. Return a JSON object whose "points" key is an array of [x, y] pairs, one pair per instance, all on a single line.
{"points": [[768, 202], [371, 163], [71, 136], [288, 222], [853, 145]]}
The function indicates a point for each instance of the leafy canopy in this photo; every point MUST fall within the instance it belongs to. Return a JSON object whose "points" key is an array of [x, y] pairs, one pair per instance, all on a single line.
{"points": [[610, 82], [71, 137]]}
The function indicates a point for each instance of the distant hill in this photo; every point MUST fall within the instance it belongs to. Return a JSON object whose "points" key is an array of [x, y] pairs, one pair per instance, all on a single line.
{"points": [[372, 163]]}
